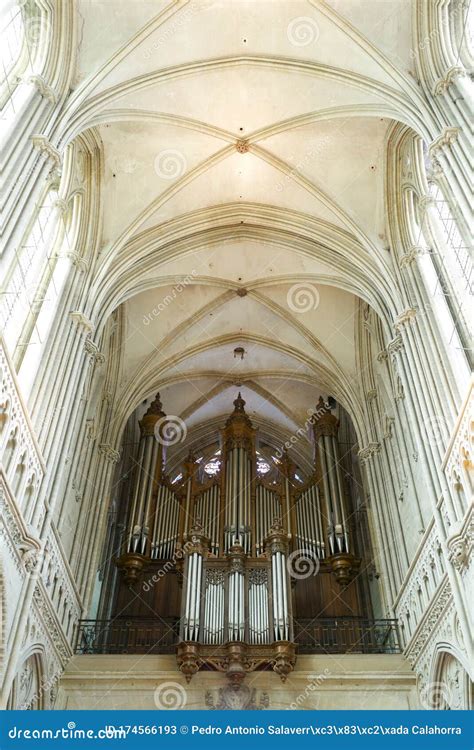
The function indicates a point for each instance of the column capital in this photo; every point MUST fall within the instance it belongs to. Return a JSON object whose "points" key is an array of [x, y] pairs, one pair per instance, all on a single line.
{"points": [[395, 345], [443, 83], [324, 423], [371, 450], [447, 137], [43, 88], [82, 321], [406, 317], [94, 352], [45, 147], [412, 254], [109, 453]]}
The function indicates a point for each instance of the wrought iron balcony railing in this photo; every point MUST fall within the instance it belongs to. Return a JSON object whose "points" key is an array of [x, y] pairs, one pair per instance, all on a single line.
{"points": [[140, 635], [346, 635], [128, 635]]}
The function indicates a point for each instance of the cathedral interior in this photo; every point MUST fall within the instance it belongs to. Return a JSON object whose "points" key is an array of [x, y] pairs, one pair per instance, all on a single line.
{"points": [[236, 414]]}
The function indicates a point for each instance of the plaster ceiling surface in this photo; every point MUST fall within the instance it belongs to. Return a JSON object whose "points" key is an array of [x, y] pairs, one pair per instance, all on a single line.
{"points": [[244, 145]]}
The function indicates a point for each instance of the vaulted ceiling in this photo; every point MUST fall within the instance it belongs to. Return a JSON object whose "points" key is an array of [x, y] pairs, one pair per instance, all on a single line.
{"points": [[244, 149]]}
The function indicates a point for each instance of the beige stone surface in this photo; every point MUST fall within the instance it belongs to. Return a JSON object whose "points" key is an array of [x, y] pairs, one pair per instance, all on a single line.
{"points": [[341, 682]]}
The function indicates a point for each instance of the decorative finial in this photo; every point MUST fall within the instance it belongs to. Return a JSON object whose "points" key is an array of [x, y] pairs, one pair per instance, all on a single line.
{"points": [[239, 403], [156, 407]]}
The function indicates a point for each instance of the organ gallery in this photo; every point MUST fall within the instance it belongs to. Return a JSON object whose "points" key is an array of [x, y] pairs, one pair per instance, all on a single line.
{"points": [[238, 556]]}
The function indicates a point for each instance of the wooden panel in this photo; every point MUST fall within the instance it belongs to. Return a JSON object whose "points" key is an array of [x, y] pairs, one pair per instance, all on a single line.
{"points": [[158, 594]]}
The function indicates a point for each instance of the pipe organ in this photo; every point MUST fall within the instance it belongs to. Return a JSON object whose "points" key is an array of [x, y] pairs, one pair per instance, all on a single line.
{"points": [[232, 539]]}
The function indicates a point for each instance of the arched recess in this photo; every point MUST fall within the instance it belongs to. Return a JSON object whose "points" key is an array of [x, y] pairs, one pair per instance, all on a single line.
{"points": [[450, 686], [27, 691]]}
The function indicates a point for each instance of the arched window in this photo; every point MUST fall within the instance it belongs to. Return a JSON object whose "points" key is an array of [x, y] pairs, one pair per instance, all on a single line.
{"points": [[25, 30], [19, 295], [212, 467]]}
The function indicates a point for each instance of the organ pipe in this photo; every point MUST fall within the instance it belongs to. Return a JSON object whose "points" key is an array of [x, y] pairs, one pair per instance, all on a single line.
{"points": [[342, 560], [141, 517]]}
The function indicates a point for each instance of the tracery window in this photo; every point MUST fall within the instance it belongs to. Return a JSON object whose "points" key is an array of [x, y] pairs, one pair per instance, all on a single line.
{"points": [[213, 466], [18, 295], [24, 31]]}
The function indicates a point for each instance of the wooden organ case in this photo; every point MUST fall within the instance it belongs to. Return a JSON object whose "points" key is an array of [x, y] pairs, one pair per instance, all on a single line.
{"points": [[239, 562]]}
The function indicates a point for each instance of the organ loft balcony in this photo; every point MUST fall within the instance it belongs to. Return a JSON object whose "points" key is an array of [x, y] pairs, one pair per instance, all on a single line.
{"points": [[237, 561]]}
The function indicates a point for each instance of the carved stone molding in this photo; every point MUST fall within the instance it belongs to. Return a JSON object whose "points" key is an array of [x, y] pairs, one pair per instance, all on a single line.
{"points": [[460, 545], [395, 345], [406, 317], [93, 351], [83, 323], [242, 146], [109, 453], [43, 88], [78, 261], [371, 450], [424, 635], [237, 699], [443, 84], [61, 205], [411, 256], [446, 139], [388, 427], [425, 202], [45, 147]]}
